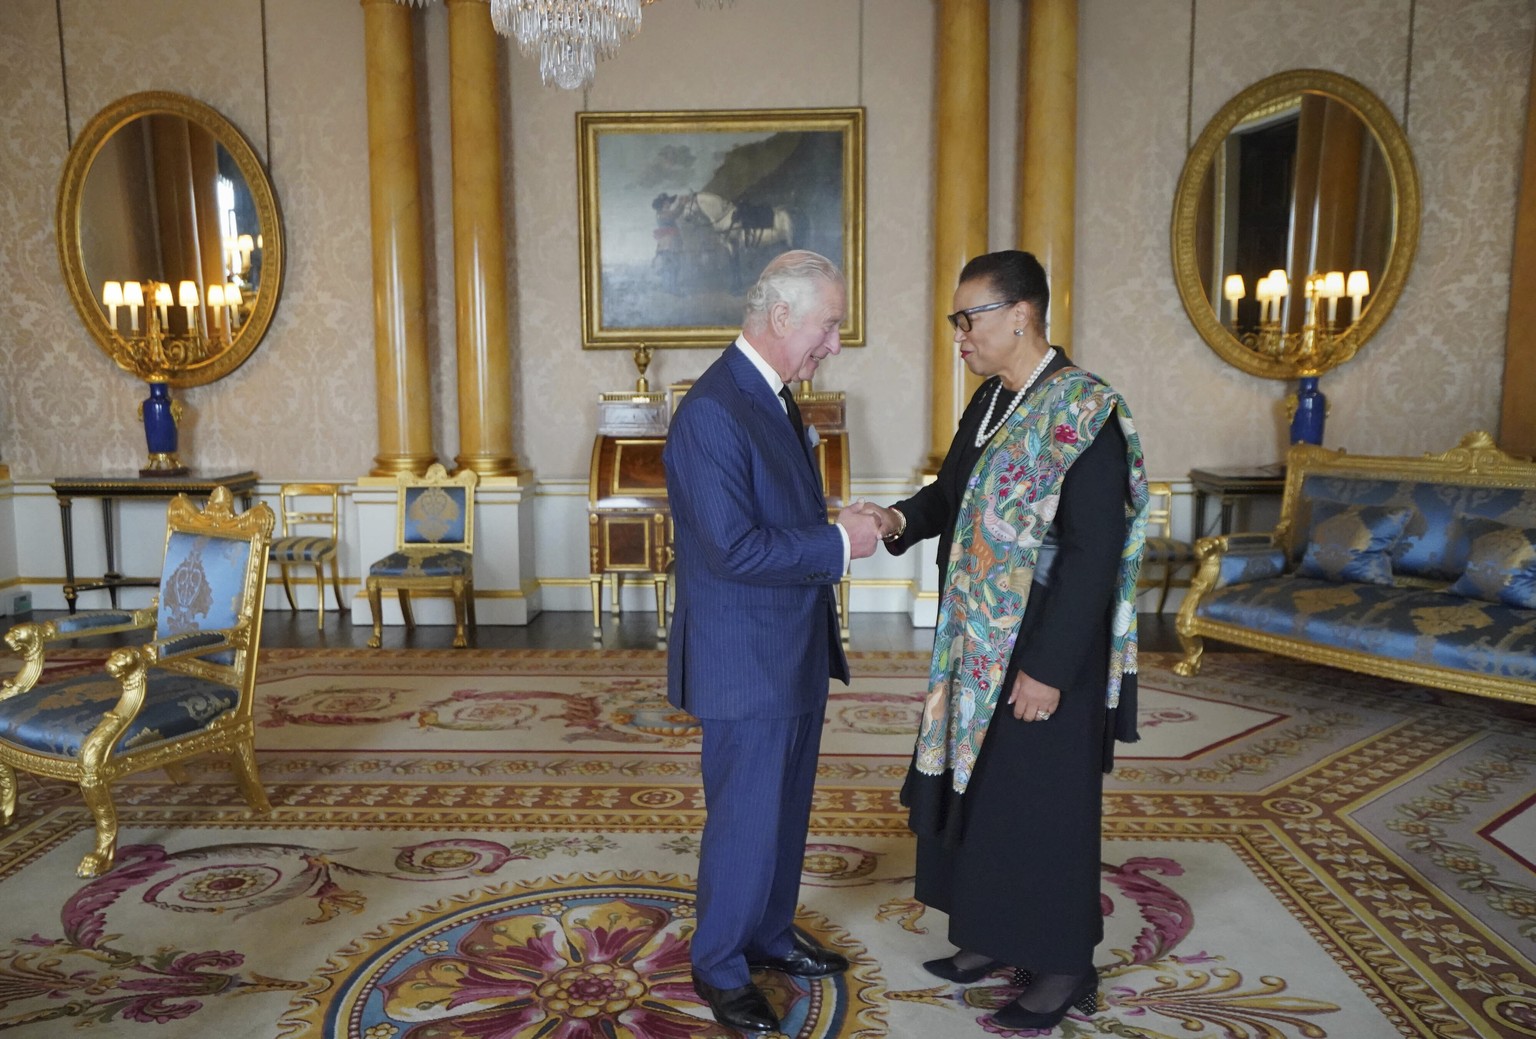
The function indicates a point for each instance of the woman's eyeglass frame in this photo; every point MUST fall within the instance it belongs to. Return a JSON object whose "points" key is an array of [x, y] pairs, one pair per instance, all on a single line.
{"points": [[960, 320]]}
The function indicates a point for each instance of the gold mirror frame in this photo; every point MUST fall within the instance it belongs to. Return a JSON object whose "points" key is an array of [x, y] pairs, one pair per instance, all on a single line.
{"points": [[77, 167], [1186, 211]]}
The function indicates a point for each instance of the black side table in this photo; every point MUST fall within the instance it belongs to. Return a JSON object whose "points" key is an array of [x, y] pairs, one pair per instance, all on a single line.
{"points": [[1228, 485], [109, 489]]}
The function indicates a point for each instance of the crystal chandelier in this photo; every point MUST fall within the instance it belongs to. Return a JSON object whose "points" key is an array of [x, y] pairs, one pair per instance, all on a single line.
{"points": [[569, 35]]}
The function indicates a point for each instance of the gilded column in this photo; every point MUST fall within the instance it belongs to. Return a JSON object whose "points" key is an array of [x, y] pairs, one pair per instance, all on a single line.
{"points": [[1048, 152], [959, 196], [402, 374], [479, 250]]}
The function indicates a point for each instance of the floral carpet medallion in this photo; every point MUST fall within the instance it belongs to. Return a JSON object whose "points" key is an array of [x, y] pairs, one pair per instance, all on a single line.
{"points": [[591, 956]]}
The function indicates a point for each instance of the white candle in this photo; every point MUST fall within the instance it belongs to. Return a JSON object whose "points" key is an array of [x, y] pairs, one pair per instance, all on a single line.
{"points": [[1359, 288], [112, 296], [1333, 288], [233, 300], [187, 298], [1234, 290], [163, 303], [133, 295], [216, 303]]}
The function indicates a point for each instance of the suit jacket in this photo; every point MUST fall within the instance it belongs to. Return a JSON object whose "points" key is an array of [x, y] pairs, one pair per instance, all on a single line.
{"points": [[754, 633]]}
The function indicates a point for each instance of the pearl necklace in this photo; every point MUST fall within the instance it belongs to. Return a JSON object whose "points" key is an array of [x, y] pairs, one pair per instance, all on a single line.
{"points": [[983, 434]]}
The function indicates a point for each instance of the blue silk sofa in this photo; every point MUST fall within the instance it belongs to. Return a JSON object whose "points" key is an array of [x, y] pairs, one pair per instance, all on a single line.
{"points": [[1418, 569]]}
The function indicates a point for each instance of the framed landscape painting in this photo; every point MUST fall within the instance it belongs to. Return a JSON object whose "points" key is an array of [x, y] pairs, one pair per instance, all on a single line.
{"points": [[681, 211]]}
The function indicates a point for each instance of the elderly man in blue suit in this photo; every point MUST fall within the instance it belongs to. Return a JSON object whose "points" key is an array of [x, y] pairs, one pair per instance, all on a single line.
{"points": [[754, 636]]}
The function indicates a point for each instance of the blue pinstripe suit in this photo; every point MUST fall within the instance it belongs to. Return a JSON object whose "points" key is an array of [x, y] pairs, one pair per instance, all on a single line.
{"points": [[751, 645]]}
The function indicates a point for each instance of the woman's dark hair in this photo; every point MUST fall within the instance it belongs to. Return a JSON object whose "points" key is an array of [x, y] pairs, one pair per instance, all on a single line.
{"points": [[1014, 274]]}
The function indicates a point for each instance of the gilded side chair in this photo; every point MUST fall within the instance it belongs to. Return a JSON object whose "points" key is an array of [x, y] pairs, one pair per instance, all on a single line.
{"points": [[434, 548], [186, 692], [311, 536], [1163, 549]]}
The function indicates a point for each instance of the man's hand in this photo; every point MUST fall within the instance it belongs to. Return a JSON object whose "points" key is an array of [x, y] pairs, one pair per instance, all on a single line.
{"points": [[863, 532], [888, 519]]}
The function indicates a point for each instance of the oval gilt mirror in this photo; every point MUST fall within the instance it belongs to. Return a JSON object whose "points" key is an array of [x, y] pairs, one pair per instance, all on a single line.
{"points": [[162, 192], [1295, 224]]}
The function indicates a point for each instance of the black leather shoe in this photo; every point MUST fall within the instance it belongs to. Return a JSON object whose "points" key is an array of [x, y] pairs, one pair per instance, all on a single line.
{"points": [[947, 969], [745, 1008], [806, 959], [1084, 998]]}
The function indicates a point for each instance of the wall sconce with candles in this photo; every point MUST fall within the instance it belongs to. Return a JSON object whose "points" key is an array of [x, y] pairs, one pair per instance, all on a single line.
{"points": [[156, 353], [1319, 344]]}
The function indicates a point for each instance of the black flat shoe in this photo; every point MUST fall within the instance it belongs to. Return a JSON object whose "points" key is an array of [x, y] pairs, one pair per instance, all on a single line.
{"points": [[945, 968], [1084, 997], [806, 958], [745, 1008]]}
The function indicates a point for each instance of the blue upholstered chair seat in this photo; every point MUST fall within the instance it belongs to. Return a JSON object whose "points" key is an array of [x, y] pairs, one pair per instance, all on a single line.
{"points": [[55, 718], [302, 550], [1426, 627], [423, 563]]}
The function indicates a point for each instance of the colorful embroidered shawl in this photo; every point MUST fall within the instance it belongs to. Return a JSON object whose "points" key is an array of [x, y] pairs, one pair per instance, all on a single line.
{"points": [[1009, 503]]}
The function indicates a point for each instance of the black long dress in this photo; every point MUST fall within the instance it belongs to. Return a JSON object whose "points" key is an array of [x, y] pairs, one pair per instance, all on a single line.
{"points": [[1015, 860]]}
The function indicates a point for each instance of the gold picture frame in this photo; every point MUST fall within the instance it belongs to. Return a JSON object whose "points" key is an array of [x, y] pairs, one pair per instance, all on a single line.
{"points": [[680, 211]]}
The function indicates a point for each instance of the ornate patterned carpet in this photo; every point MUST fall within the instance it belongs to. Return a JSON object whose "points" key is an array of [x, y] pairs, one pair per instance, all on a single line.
{"points": [[499, 844]]}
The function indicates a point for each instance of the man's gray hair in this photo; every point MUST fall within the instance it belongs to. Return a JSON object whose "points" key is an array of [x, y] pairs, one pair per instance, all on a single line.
{"points": [[789, 278]]}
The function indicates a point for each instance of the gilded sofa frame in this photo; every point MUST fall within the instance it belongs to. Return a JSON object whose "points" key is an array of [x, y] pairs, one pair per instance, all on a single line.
{"points": [[1475, 462], [233, 732]]}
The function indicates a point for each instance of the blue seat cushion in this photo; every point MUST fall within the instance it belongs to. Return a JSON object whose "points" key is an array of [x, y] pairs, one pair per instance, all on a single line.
{"points": [[302, 550], [1428, 547], [56, 718], [1501, 563], [445, 563], [1422, 626], [1353, 542]]}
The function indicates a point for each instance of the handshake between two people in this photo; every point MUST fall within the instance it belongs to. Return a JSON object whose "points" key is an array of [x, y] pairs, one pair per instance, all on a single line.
{"points": [[867, 525]]}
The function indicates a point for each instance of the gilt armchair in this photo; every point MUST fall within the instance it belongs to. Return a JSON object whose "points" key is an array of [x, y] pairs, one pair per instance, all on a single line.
{"points": [[434, 548], [186, 692]]}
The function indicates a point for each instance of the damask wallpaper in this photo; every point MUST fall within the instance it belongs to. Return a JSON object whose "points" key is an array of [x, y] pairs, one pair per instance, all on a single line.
{"points": [[302, 406], [1434, 369]]}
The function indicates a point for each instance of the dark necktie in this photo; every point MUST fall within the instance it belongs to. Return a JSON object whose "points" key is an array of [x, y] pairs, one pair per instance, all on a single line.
{"points": [[793, 410]]}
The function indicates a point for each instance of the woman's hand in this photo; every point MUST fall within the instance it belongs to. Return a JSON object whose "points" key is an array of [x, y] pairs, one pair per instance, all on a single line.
{"points": [[889, 519], [1033, 701]]}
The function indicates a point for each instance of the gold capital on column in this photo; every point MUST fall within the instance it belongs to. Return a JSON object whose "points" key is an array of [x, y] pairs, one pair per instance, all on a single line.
{"points": [[399, 294], [479, 248], [959, 197], [1048, 152]]}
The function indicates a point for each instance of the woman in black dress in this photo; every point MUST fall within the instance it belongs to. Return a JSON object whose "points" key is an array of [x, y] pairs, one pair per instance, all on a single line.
{"points": [[1009, 836]]}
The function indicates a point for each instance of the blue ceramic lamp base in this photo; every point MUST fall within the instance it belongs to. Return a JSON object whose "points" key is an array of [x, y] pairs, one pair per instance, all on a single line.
{"points": [[1311, 408], [159, 413]]}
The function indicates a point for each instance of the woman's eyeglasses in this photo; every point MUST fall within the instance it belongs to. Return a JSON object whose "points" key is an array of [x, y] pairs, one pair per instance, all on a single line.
{"points": [[961, 319]]}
